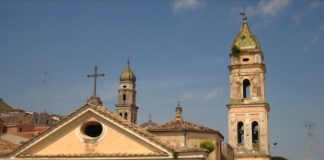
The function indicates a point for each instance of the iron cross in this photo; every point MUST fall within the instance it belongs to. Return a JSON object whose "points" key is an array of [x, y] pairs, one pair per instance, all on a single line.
{"points": [[95, 76]]}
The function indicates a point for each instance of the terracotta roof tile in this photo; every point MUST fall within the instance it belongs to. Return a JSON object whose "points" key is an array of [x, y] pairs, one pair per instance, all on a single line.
{"points": [[7, 147], [190, 149], [94, 155], [181, 125]]}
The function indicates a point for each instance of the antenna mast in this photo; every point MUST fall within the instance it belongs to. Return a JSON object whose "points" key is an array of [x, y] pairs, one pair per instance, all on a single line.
{"points": [[310, 128], [45, 78]]}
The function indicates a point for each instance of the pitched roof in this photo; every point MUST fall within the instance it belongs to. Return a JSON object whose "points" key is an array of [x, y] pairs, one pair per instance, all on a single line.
{"points": [[148, 124], [103, 111], [6, 147], [12, 138], [190, 149], [4, 107], [181, 125], [93, 155]]}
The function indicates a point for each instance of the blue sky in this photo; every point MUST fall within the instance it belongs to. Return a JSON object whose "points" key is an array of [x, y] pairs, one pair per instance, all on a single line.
{"points": [[177, 48]]}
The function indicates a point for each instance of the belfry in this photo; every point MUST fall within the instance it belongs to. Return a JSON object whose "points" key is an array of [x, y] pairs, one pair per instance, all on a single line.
{"points": [[247, 109], [126, 106]]}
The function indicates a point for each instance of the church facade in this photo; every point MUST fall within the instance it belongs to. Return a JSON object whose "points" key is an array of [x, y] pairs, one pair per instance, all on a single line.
{"points": [[94, 132]]}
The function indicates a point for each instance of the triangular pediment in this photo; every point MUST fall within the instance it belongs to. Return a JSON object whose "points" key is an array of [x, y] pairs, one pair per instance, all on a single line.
{"points": [[93, 131]]}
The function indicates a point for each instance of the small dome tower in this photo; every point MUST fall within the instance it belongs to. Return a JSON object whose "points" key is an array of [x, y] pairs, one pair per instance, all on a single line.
{"points": [[126, 107], [127, 74]]}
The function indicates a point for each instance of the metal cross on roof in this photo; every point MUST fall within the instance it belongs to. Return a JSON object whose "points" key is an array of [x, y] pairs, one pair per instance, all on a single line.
{"points": [[95, 76]]}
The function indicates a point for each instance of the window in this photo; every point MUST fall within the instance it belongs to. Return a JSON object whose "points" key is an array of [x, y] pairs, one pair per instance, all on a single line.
{"points": [[255, 132], [246, 88], [5, 129], [124, 97], [240, 133], [120, 114], [245, 59], [125, 116], [92, 129]]}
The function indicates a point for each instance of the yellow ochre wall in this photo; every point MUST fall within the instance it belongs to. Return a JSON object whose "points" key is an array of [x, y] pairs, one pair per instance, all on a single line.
{"points": [[68, 140]]}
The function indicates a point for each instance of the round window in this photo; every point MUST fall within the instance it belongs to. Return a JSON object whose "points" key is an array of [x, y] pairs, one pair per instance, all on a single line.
{"points": [[245, 59], [92, 129]]}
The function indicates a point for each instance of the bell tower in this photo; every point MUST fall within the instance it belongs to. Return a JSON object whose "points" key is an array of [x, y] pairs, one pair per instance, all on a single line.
{"points": [[126, 107], [248, 110]]}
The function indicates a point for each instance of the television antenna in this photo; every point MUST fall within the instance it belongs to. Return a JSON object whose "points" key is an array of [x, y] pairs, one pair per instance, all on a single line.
{"points": [[310, 128], [44, 82]]}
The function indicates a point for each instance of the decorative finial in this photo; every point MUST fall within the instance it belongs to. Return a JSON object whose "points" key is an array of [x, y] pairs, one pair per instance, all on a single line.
{"points": [[150, 118], [95, 76], [243, 14], [128, 63], [178, 112], [178, 104]]}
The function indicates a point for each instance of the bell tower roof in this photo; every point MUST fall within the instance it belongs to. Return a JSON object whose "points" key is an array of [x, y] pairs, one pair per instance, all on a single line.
{"points": [[127, 74], [245, 39]]}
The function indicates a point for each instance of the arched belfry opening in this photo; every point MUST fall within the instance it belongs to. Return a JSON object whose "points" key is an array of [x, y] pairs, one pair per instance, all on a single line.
{"points": [[246, 89], [240, 133], [255, 132], [125, 116]]}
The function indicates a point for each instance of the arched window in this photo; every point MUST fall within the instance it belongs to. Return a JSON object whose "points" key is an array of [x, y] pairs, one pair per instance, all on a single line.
{"points": [[246, 88], [255, 132], [121, 114], [124, 97], [240, 133], [125, 116]]}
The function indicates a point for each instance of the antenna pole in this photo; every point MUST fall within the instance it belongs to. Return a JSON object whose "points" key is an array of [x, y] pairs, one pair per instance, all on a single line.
{"points": [[310, 128]]}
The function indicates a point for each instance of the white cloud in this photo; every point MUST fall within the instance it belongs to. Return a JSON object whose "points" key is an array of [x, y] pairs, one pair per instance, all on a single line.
{"points": [[316, 3], [297, 18], [318, 34], [189, 95], [181, 5], [209, 95], [272, 7], [214, 93], [314, 38], [265, 8]]}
